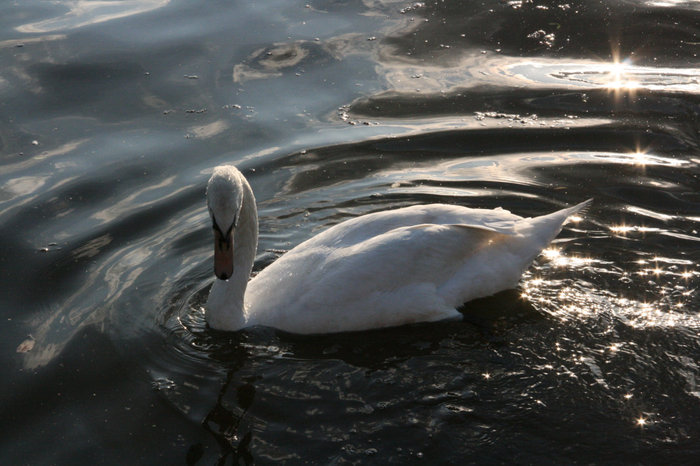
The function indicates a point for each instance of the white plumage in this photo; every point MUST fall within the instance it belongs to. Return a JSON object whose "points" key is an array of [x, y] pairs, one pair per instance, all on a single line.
{"points": [[415, 264]]}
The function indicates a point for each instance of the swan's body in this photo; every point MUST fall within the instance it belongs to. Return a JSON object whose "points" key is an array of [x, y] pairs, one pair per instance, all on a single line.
{"points": [[415, 264]]}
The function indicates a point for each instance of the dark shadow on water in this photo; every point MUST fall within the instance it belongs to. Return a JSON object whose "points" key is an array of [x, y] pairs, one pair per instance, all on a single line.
{"points": [[495, 315], [374, 349], [485, 320]]}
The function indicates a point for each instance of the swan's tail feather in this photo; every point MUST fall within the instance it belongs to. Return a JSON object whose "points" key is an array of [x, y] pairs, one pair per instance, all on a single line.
{"points": [[579, 208], [542, 230], [562, 216]]}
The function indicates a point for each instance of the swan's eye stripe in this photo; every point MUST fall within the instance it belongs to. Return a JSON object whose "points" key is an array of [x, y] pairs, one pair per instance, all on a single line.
{"points": [[216, 228]]}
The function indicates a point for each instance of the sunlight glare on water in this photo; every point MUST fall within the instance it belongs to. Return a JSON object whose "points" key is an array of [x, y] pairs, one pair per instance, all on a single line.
{"points": [[669, 301]]}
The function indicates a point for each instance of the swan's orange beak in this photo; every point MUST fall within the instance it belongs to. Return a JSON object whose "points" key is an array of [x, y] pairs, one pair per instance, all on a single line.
{"points": [[223, 255]]}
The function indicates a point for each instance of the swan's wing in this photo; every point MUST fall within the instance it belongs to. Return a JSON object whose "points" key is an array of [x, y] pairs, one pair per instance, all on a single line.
{"points": [[412, 255], [408, 274]]}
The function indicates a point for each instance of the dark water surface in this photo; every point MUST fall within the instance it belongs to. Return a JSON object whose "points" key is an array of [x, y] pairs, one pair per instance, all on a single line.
{"points": [[112, 115]]}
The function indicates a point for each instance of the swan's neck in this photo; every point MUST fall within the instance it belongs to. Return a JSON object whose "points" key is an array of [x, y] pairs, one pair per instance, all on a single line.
{"points": [[225, 307]]}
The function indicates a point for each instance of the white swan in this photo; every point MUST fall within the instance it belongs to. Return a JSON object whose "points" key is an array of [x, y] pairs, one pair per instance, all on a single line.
{"points": [[415, 264]]}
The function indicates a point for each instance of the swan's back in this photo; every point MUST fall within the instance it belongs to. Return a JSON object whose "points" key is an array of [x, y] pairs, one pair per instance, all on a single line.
{"points": [[390, 268], [371, 225]]}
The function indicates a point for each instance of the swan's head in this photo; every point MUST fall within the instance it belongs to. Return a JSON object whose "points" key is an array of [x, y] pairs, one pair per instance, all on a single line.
{"points": [[224, 199]]}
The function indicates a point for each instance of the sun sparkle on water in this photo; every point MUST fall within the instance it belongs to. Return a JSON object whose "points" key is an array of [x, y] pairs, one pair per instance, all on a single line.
{"points": [[619, 79], [559, 260], [621, 229]]}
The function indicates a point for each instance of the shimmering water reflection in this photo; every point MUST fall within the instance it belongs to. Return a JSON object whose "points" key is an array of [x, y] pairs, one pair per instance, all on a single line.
{"points": [[669, 300]]}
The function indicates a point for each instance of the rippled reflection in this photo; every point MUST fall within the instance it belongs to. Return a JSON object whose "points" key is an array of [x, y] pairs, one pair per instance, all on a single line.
{"points": [[616, 76], [82, 13]]}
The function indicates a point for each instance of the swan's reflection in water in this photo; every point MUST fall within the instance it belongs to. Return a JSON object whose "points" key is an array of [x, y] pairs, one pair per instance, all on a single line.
{"points": [[227, 421], [227, 426]]}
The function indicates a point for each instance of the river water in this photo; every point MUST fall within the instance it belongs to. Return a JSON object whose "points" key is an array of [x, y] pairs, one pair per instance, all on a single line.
{"points": [[112, 115]]}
